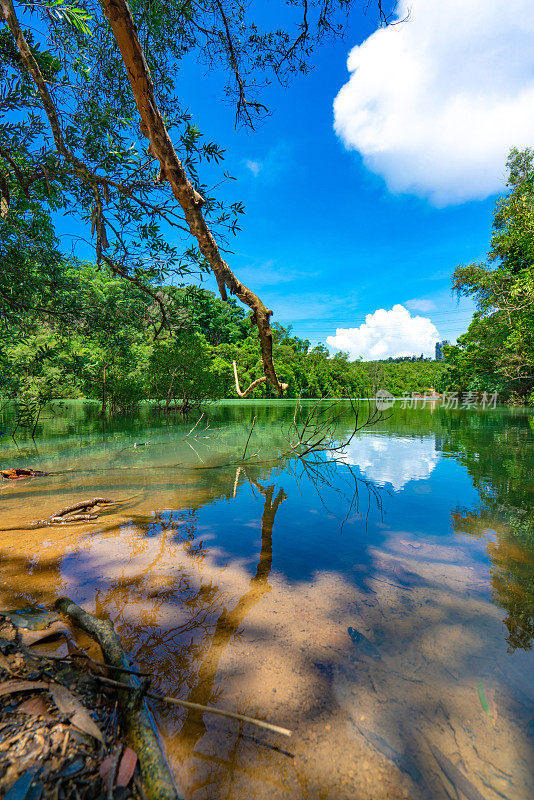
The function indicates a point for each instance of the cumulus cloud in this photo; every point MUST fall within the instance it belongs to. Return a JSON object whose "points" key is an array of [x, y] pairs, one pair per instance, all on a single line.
{"points": [[392, 333], [435, 103]]}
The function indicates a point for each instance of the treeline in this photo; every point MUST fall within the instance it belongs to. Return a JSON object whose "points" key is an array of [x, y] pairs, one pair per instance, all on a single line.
{"points": [[105, 340]]}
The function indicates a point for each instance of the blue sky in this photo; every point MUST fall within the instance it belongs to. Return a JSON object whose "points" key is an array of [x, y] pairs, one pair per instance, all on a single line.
{"points": [[377, 213], [324, 241]]}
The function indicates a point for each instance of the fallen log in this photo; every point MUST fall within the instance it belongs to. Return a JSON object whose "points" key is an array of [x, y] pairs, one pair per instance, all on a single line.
{"points": [[64, 515], [71, 518], [135, 715], [83, 504]]}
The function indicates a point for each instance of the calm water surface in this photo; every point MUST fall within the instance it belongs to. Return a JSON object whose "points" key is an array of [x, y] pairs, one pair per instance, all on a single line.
{"points": [[381, 607]]}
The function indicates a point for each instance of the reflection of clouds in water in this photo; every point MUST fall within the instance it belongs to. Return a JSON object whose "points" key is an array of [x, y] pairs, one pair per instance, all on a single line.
{"points": [[393, 459]]}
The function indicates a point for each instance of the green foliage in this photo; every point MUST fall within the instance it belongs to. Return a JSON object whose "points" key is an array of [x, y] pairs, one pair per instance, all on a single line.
{"points": [[104, 341], [497, 352], [82, 149], [181, 372]]}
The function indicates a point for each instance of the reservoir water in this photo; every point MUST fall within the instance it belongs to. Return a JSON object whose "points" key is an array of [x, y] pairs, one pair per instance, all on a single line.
{"points": [[380, 604]]}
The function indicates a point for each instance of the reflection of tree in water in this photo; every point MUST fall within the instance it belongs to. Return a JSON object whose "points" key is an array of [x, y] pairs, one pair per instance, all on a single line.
{"points": [[512, 566], [336, 475], [228, 623], [500, 460], [188, 655]]}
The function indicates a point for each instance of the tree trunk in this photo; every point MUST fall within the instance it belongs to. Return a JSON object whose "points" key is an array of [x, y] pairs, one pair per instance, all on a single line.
{"points": [[153, 127], [103, 411]]}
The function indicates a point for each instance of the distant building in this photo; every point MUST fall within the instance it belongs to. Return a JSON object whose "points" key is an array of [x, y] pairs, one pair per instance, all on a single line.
{"points": [[439, 349]]}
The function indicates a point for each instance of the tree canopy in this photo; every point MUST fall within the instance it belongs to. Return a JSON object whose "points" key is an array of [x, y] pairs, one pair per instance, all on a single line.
{"points": [[90, 85], [497, 352]]}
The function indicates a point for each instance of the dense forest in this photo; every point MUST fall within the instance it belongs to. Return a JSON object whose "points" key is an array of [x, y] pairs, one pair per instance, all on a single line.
{"points": [[72, 329], [106, 342], [88, 332], [80, 330]]}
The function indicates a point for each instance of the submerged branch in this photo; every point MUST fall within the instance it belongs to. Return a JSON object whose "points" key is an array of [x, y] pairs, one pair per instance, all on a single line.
{"points": [[248, 440], [91, 509], [176, 701]]}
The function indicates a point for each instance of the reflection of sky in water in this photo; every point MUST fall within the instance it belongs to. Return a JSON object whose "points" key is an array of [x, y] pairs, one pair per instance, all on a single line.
{"points": [[394, 460]]}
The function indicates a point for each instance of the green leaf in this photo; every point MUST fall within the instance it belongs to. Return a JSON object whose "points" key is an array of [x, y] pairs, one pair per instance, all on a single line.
{"points": [[483, 699]]}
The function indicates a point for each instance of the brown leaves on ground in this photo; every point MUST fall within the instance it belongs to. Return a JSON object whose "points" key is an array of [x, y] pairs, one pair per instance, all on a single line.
{"points": [[75, 711], [58, 730], [55, 629], [37, 707], [125, 771]]}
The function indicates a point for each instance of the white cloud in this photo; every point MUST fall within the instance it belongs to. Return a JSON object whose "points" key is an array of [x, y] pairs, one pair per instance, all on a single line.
{"points": [[393, 460], [435, 103], [418, 304], [387, 333], [253, 166]]}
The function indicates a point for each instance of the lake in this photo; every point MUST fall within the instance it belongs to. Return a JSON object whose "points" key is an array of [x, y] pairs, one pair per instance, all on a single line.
{"points": [[380, 603]]}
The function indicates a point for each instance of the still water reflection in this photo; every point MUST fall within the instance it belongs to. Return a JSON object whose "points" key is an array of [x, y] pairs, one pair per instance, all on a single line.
{"points": [[381, 606], [394, 460]]}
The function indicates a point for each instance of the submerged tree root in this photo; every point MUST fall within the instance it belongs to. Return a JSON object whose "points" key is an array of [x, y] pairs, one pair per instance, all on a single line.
{"points": [[135, 716]]}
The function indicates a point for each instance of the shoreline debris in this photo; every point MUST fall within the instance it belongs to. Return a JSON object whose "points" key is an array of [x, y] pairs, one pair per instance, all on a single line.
{"points": [[16, 473], [90, 510], [58, 729], [137, 724]]}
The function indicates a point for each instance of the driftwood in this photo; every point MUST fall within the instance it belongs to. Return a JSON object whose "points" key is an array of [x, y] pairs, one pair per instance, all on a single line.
{"points": [[15, 473], [135, 715], [89, 507]]}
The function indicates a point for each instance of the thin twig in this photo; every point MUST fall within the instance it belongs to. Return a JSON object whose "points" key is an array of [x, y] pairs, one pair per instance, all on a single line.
{"points": [[195, 425], [248, 440], [84, 657], [113, 771], [200, 707]]}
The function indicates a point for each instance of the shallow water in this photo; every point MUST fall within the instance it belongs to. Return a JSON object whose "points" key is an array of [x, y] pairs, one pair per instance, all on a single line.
{"points": [[380, 606]]}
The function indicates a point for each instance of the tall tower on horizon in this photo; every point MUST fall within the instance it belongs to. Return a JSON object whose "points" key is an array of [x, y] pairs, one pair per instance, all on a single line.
{"points": [[439, 349]]}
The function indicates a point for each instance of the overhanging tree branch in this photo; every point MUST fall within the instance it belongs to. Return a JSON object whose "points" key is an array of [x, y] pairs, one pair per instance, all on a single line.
{"points": [[172, 169], [243, 394]]}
